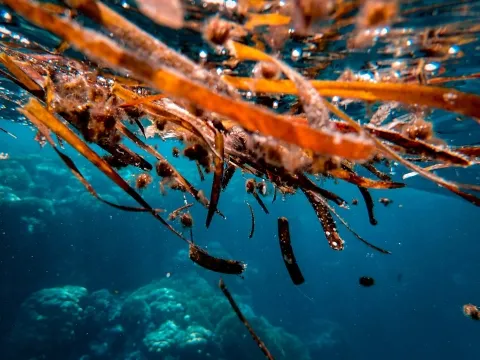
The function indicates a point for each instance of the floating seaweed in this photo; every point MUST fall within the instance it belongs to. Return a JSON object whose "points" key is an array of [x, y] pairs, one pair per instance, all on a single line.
{"points": [[252, 228], [287, 252], [205, 260], [242, 318], [250, 186], [304, 143], [8, 133], [227, 175], [367, 197], [143, 180], [173, 215], [326, 219], [186, 220], [45, 133], [290, 133], [370, 245], [200, 172], [217, 176], [43, 117]]}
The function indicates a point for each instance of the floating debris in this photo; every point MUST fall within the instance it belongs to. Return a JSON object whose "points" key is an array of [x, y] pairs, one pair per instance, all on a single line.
{"points": [[366, 281], [175, 152], [385, 201], [143, 180], [471, 311], [186, 220], [173, 215]]}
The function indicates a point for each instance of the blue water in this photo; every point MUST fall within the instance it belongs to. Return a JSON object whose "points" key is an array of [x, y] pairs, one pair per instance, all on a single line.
{"points": [[57, 235]]}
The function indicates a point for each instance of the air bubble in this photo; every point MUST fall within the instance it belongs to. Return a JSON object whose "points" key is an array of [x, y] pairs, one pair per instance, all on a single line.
{"points": [[454, 49], [431, 66], [203, 54], [296, 54], [6, 16]]}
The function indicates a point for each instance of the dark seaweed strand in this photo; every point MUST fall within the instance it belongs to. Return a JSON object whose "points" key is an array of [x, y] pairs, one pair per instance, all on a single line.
{"points": [[200, 172], [310, 185], [242, 318], [193, 191], [74, 169], [260, 202], [369, 203], [347, 174], [140, 126], [60, 142], [470, 150], [274, 193], [331, 196], [287, 252], [227, 176], [175, 212], [332, 210], [419, 147], [50, 122], [451, 186], [326, 219], [8, 133], [125, 155], [71, 165], [381, 175], [37, 93], [205, 260], [252, 229], [217, 177]]}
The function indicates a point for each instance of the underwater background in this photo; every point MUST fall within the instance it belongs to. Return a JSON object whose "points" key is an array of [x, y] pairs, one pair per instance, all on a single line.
{"points": [[81, 280]]}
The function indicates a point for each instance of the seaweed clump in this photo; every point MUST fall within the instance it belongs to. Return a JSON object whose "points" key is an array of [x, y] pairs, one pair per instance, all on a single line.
{"points": [[292, 137]]}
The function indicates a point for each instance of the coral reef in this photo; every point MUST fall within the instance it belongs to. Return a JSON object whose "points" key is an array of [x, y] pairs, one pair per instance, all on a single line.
{"points": [[283, 344], [170, 340], [49, 320], [182, 318], [39, 191]]}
